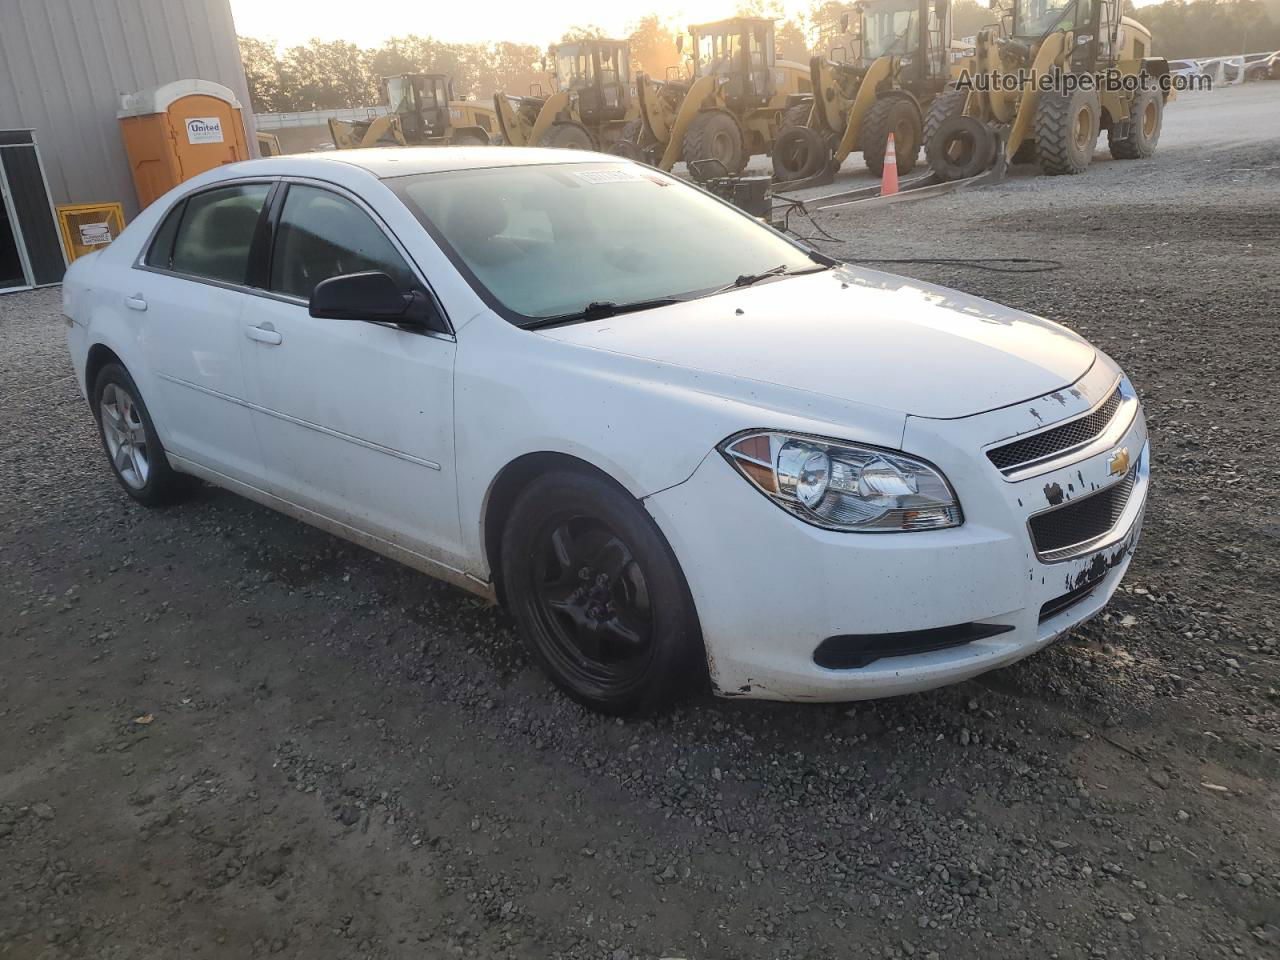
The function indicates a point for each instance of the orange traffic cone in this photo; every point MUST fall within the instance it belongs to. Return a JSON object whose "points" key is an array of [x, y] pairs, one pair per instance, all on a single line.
{"points": [[889, 176]]}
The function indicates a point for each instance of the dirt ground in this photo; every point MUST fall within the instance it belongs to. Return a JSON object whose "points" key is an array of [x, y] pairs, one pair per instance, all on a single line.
{"points": [[226, 734]]}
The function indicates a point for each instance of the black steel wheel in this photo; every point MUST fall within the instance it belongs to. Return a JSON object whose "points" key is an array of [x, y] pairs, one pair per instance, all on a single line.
{"points": [[598, 595]]}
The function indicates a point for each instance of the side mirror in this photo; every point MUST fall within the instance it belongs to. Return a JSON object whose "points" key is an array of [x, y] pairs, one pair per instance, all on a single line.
{"points": [[844, 22], [680, 43], [374, 297]]}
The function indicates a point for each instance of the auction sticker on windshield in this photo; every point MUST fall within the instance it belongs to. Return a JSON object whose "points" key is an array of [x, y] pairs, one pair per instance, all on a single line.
{"points": [[609, 176]]}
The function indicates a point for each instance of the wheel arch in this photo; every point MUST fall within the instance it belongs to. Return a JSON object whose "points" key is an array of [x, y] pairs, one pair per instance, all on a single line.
{"points": [[507, 486], [513, 478], [99, 356], [898, 93]]}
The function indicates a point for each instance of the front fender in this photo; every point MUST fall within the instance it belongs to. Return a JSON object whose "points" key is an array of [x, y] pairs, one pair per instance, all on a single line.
{"points": [[645, 423]]}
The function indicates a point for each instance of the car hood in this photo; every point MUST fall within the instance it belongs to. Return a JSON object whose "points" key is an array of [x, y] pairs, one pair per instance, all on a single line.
{"points": [[857, 335]]}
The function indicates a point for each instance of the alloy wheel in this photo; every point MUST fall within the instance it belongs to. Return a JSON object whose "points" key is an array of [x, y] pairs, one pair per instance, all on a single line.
{"points": [[125, 435]]}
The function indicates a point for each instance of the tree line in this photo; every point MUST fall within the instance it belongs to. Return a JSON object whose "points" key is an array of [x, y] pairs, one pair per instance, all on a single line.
{"points": [[331, 74]]}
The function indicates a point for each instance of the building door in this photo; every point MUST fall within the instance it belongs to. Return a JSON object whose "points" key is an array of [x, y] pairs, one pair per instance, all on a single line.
{"points": [[27, 212], [13, 270]]}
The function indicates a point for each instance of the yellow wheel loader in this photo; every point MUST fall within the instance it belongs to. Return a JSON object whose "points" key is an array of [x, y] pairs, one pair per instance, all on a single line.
{"points": [[903, 62], [1044, 85], [590, 108], [731, 106], [421, 110]]}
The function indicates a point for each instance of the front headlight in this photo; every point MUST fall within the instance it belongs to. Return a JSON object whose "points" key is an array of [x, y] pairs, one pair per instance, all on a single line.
{"points": [[843, 486]]}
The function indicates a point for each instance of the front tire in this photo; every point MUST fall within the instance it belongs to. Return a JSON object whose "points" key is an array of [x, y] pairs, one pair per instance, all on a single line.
{"points": [[567, 136], [896, 115], [1067, 128], [598, 595], [130, 440], [715, 135]]}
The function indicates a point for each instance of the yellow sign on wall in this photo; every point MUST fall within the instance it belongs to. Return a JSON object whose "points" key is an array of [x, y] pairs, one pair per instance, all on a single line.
{"points": [[87, 227]]}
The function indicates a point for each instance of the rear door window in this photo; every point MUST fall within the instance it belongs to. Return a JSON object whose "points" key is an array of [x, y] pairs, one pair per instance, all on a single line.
{"points": [[161, 252], [216, 232]]}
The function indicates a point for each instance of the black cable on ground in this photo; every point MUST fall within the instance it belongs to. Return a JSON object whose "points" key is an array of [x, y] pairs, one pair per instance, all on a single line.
{"points": [[1022, 264]]}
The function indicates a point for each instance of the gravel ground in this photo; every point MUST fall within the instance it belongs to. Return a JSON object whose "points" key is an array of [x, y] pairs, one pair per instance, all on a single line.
{"points": [[227, 734]]}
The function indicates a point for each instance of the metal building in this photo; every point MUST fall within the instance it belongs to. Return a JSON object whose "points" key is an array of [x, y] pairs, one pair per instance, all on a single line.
{"points": [[64, 65]]}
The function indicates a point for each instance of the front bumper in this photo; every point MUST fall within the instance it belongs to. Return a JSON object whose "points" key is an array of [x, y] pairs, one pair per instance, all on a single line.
{"points": [[769, 588]]}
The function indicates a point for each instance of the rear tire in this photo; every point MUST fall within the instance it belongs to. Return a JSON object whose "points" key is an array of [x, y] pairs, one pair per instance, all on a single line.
{"points": [[715, 135], [896, 115], [567, 136], [598, 595], [1067, 131], [1146, 117], [130, 440], [470, 140]]}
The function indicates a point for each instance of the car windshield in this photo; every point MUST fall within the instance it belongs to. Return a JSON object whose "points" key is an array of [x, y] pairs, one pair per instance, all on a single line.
{"points": [[548, 240]]}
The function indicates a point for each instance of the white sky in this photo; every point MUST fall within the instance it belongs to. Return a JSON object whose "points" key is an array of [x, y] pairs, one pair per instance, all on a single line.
{"points": [[368, 22]]}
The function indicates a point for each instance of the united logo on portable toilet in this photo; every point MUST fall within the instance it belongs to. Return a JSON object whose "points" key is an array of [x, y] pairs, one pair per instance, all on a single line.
{"points": [[204, 130]]}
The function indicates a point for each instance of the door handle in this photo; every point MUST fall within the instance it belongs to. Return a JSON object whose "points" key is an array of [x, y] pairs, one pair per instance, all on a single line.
{"points": [[136, 302], [263, 335]]}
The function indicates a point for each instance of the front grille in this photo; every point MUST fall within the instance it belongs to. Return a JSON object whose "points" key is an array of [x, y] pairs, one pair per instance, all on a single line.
{"points": [[1081, 520], [1013, 455]]}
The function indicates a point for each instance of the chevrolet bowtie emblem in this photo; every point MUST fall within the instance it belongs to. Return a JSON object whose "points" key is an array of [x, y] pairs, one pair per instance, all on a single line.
{"points": [[1118, 462]]}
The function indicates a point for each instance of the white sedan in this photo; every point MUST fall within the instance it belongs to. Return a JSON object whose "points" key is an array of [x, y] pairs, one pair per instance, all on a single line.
{"points": [[676, 444]]}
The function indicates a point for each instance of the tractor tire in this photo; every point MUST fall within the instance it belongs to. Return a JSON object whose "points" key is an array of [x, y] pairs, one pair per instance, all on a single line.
{"points": [[799, 153], [1146, 117], [796, 115], [469, 139], [715, 135], [567, 136], [627, 149], [961, 147], [1066, 128], [949, 103], [896, 115]]}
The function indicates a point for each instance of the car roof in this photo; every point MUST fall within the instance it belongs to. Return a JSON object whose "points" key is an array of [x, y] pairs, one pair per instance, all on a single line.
{"points": [[385, 162]]}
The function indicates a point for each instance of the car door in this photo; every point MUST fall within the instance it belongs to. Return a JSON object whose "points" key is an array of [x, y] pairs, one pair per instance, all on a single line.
{"points": [[355, 419], [191, 287]]}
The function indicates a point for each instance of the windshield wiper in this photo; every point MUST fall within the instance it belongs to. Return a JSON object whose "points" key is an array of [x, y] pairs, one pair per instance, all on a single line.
{"points": [[600, 310], [781, 270]]}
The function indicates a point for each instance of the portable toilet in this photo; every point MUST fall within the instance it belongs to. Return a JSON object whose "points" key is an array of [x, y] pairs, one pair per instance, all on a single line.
{"points": [[178, 130]]}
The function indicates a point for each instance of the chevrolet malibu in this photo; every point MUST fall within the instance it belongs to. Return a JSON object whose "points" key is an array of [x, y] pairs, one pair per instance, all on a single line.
{"points": [[676, 444]]}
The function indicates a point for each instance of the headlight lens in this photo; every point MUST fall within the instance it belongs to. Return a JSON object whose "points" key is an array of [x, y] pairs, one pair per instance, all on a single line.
{"points": [[843, 486]]}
